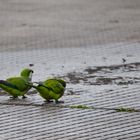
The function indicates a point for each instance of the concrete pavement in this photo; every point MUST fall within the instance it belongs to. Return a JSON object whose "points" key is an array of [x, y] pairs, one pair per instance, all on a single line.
{"points": [[84, 43]]}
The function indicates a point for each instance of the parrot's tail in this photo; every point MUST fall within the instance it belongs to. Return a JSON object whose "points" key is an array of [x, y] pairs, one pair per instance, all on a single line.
{"points": [[32, 84], [36, 85]]}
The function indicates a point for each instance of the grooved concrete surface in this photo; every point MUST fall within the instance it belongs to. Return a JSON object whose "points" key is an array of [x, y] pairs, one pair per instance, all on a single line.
{"points": [[52, 123], [84, 43], [64, 23], [33, 119]]}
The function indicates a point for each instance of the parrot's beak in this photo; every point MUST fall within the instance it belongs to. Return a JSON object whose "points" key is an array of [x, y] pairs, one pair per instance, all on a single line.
{"points": [[30, 76]]}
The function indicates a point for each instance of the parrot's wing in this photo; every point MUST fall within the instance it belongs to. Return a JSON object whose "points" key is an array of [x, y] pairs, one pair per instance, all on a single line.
{"points": [[8, 84], [54, 85], [62, 82], [19, 82]]}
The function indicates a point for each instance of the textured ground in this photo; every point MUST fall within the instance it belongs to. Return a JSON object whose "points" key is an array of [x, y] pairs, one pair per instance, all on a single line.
{"points": [[95, 46], [64, 23]]}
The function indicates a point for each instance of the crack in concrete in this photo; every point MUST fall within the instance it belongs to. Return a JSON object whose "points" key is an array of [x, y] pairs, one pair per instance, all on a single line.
{"points": [[82, 107]]}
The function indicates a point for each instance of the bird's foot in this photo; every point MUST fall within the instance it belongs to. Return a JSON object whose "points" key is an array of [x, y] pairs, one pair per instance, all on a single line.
{"points": [[24, 97], [59, 102], [48, 101], [12, 97]]}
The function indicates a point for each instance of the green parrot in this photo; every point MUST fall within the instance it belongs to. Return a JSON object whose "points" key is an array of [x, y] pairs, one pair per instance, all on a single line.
{"points": [[16, 86], [51, 89]]}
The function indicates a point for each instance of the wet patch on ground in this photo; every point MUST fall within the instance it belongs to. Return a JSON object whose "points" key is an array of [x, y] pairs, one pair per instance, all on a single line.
{"points": [[124, 74]]}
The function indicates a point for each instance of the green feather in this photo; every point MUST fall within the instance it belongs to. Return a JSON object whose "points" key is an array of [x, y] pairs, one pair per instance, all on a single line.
{"points": [[16, 86], [51, 89]]}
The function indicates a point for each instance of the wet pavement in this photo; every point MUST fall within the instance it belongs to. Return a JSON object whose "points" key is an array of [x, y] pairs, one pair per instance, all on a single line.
{"points": [[101, 100], [98, 56]]}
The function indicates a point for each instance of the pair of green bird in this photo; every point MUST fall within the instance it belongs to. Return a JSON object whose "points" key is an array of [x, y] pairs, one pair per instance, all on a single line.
{"points": [[51, 89]]}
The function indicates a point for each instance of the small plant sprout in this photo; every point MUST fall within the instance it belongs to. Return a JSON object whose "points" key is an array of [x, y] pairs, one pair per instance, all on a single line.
{"points": [[122, 109]]}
